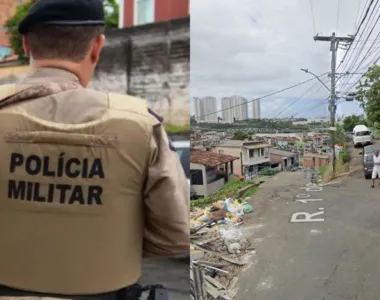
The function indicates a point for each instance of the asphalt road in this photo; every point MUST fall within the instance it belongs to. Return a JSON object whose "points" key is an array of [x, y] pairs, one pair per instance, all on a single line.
{"points": [[337, 258]]}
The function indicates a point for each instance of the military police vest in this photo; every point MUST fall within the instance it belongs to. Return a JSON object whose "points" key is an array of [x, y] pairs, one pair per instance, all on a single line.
{"points": [[71, 218]]}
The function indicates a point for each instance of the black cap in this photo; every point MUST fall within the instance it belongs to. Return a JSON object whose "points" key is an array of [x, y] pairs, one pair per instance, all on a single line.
{"points": [[63, 13]]}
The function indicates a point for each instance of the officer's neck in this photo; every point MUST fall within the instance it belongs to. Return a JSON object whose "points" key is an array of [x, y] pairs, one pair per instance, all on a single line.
{"points": [[75, 68]]}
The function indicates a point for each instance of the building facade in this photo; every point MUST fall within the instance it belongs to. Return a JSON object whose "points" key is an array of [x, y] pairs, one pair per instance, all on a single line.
{"points": [[7, 9], [256, 110], [254, 156], [140, 12], [234, 108], [206, 109]]}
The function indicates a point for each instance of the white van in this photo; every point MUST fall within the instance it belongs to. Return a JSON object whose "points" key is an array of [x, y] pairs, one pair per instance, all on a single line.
{"points": [[361, 135]]}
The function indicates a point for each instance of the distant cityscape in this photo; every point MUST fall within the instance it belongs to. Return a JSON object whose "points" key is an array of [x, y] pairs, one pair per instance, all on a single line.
{"points": [[234, 108]]}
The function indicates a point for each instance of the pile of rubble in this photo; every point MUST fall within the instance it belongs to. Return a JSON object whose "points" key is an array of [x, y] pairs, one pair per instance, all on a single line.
{"points": [[218, 248]]}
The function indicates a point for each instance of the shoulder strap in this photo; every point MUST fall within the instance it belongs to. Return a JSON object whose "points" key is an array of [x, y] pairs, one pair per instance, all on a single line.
{"points": [[126, 102]]}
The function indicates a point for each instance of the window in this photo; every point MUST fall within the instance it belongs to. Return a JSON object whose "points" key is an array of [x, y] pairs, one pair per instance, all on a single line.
{"points": [[144, 12], [5, 51], [363, 133], [251, 153], [262, 151], [196, 177]]}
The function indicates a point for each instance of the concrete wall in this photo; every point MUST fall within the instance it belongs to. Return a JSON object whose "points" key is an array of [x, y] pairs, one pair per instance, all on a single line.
{"points": [[210, 188], [150, 61], [234, 152]]}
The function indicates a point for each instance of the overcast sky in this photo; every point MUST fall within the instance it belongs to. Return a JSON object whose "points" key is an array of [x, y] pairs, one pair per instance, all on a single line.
{"points": [[255, 47]]}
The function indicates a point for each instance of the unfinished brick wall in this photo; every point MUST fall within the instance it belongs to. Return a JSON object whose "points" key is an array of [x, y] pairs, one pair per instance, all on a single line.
{"points": [[308, 162]]}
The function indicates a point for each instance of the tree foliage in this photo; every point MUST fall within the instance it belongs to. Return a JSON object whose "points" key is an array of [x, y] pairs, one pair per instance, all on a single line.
{"points": [[111, 10], [351, 121], [369, 94], [11, 25], [240, 135]]}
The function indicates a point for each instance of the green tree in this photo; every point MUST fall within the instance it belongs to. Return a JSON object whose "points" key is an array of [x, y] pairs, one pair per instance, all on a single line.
{"points": [[240, 135], [15, 39], [368, 94], [351, 121], [193, 121], [111, 11]]}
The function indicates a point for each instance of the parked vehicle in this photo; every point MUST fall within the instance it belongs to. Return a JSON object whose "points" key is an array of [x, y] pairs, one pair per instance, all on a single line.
{"points": [[361, 136], [183, 151], [367, 153]]}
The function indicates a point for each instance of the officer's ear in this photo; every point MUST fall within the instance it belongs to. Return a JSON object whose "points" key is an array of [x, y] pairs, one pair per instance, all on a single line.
{"points": [[97, 48], [25, 44]]}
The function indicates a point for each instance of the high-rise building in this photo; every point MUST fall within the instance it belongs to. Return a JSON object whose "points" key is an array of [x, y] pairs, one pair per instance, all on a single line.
{"points": [[234, 108], [206, 109], [256, 109]]}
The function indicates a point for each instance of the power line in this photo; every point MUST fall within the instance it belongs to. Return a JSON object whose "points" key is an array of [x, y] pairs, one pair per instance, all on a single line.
{"points": [[357, 14], [312, 14], [300, 97], [356, 56], [265, 96], [357, 31]]}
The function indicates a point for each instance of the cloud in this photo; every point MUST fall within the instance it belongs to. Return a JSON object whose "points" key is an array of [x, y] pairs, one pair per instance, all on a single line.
{"points": [[253, 48]]}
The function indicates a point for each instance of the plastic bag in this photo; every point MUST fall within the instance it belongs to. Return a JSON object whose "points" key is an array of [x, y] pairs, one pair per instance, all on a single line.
{"points": [[231, 235], [247, 209]]}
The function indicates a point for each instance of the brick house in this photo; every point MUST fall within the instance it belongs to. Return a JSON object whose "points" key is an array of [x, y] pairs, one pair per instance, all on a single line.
{"points": [[311, 160], [140, 12]]}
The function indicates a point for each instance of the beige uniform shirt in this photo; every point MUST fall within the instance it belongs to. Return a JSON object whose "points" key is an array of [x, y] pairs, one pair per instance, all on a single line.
{"points": [[166, 192]]}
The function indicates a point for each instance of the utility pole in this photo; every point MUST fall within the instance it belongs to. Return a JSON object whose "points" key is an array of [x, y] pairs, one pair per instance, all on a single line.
{"points": [[334, 44]]}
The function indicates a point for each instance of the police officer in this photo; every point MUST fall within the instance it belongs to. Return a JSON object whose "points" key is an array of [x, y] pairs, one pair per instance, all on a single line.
{"points": [[90, 182]]}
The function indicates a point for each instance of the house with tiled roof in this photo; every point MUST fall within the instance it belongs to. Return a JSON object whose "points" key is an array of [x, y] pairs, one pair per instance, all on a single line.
{"points": [[210, 171]]}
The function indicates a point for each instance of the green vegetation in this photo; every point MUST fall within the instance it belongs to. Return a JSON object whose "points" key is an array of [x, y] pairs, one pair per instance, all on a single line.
{"points": [[176, 129], [368, 94], [322, 170], [14, 36], [351, 121], [251, 125], [268, 172], [111, 10], [240, 135], [344, 157], [229, 191], [251, 191]]}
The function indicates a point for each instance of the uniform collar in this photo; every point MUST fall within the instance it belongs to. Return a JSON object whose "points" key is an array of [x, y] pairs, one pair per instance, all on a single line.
{"points": [[54, 74]]}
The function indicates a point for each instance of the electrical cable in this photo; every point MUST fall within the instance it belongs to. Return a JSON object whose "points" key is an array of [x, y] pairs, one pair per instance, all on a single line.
{"points": [[265, 96]]}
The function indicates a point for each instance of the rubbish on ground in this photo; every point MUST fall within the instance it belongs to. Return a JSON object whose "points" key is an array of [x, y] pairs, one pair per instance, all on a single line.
{"points": [[212, 264], [247, 209], [216, 214], [212, 268], [228, 212], [224, 257], [218, 245]]}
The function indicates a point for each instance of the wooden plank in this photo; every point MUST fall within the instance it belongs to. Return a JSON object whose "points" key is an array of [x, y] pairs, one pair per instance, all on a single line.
{"points": [[226, 258], [212, 264], [215, 283]]}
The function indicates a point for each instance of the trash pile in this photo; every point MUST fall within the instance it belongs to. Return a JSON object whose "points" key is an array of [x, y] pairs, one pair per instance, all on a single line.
{"points": [[229, 211], [218, 247]]}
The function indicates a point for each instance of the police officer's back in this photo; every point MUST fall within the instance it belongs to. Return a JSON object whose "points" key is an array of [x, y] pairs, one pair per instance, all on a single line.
{"points": [[89, 180]]}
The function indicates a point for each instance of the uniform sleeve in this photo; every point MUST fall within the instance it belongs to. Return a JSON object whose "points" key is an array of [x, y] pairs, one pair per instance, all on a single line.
{"points": [[167, 201]]}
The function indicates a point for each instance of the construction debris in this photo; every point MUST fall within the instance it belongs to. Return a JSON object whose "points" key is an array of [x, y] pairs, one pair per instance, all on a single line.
{"points": [[218, 252]]}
